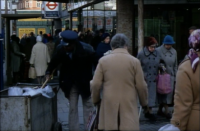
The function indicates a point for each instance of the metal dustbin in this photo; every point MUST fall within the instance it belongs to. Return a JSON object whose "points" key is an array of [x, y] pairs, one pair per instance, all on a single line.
{"points": [[29, 113]]}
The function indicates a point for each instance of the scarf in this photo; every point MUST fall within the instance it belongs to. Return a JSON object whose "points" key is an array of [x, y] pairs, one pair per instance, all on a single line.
{"points": [[194, 58]]}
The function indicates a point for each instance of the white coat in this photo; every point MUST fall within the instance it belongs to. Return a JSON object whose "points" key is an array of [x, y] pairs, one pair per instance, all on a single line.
{"points": [[40, 58]]}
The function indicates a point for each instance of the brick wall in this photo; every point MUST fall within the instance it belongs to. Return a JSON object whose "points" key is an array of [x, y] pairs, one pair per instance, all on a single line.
{"points": [[124, 18]]}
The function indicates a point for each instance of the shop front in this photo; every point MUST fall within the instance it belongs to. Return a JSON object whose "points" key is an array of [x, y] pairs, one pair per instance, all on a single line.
{"points": [[93, 15]]}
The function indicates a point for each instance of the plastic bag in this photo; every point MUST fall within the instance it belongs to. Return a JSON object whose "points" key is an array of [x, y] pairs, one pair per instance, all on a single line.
{"points": [[30, 91], [169, 127], [15, 91], [47, 92]]}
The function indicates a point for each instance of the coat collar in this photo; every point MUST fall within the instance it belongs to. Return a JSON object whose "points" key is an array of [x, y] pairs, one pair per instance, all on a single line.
{"points": [[120, 50], [148, 53], [164, 50]]}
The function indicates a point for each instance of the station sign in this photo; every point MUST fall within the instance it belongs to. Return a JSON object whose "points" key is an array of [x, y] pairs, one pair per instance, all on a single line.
{"points": [[50, 9]]}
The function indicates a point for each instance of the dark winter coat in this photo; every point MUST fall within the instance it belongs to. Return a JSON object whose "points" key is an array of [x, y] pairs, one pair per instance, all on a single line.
{"points": [[75, 69]]}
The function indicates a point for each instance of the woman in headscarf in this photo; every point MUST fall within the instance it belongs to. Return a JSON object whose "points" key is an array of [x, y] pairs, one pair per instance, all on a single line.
{"points": [[186, 99], [40, 59]]}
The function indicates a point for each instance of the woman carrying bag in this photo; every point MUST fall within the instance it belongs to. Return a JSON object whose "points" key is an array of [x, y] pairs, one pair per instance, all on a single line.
{"points": [[169, 56]]}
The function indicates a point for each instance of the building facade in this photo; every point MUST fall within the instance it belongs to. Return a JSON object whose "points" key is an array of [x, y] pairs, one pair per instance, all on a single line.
{"points": [[160, 17]]}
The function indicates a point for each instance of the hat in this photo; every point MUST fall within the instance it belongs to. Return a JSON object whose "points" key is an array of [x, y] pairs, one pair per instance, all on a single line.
{"points": [[39, 39], [168, 40], [103, 37], [69, 36], [151, 41]]}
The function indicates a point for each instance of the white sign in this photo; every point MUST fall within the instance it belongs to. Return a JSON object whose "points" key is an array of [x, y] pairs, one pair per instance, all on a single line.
{"points": [[99, 23], [98, 13], [51, 9], [109, 23], [90, 22], [110, 13], [51, 6]]}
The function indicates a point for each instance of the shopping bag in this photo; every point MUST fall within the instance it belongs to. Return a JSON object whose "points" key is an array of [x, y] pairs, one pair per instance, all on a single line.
{"points": [[164, 83], [169, 127], [32, 73], [92, 124]]}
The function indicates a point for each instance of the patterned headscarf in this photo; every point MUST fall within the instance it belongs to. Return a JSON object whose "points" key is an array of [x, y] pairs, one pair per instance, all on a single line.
{"points": [[194, 43]]}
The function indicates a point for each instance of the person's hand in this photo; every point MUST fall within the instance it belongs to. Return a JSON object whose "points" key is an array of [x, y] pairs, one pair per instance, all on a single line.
{"points": [[47, 77]]}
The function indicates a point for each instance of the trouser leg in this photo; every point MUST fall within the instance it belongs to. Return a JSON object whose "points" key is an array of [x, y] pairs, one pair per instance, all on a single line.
{"points": [[73, 110], [87, 108]]}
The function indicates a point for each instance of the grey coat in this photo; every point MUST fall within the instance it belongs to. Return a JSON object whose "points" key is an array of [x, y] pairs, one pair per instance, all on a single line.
{"points": [[15, 57], [150, 63], [170, 59]]}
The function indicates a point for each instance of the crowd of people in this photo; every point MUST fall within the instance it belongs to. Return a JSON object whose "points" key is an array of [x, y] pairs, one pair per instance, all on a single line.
{"points": [[100, 69]]}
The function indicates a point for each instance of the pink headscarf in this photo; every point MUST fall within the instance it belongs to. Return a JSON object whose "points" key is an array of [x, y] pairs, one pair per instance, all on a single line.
{"points": [[194, 43]]}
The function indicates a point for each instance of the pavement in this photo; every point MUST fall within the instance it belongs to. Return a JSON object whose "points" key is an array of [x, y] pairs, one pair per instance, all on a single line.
{"points": [[63, 111]]}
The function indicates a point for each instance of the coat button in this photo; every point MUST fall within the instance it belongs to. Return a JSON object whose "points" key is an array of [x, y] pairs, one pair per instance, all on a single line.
{"points": [[149, 67], [149, 58], [149, 74]]}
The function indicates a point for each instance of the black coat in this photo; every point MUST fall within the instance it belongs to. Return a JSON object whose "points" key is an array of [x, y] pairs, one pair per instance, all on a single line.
{"points": [[76, 70]]}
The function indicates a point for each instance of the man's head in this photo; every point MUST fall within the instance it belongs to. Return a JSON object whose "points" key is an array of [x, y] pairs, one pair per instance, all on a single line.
{"points": [[192, 28], [120, 41], [69, 39], [40, 32]]}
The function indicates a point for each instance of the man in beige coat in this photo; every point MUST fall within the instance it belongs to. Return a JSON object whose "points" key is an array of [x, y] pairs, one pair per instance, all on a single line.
{"points": [[186, 100], [121, 77]]}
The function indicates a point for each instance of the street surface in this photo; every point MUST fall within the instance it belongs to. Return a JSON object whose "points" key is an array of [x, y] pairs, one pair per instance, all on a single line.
{"points": [[63, 111]]}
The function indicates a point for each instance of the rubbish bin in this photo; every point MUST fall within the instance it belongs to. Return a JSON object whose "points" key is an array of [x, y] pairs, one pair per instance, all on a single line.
{"points": [[29, 113]]}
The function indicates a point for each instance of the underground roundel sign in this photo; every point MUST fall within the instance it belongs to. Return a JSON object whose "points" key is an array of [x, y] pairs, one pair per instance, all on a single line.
{"points": [[51, 6]]}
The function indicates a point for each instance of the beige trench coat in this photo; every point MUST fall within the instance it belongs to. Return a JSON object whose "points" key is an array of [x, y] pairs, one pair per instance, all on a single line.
{"points": [[40, 58], [186, 100], [122, 78]]}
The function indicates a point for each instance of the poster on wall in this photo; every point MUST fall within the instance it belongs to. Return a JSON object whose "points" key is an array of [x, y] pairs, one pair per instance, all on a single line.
{"points": [[109, 23], [99, 23], [89, 22], [85, 23]]}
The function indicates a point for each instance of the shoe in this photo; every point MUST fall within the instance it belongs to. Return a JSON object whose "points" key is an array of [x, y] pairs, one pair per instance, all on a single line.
{"points": [[168, 116], [150, 116], [160, 113]]}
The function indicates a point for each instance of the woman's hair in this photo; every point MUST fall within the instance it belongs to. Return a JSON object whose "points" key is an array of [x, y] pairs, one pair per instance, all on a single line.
{"points": [[194, 39], [119, 41]]}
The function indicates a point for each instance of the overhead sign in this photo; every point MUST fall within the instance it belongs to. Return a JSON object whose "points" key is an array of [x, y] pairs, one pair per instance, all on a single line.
{"points": [[51, 9], [51, 6]]}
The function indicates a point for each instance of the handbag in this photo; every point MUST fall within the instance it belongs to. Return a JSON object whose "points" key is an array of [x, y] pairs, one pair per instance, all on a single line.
{"points": [[32, 73], [93, 120], [164, 83]]}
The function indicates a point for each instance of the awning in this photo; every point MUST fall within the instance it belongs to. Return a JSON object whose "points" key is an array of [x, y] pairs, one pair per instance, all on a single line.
{"points": [[20, 16]]}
